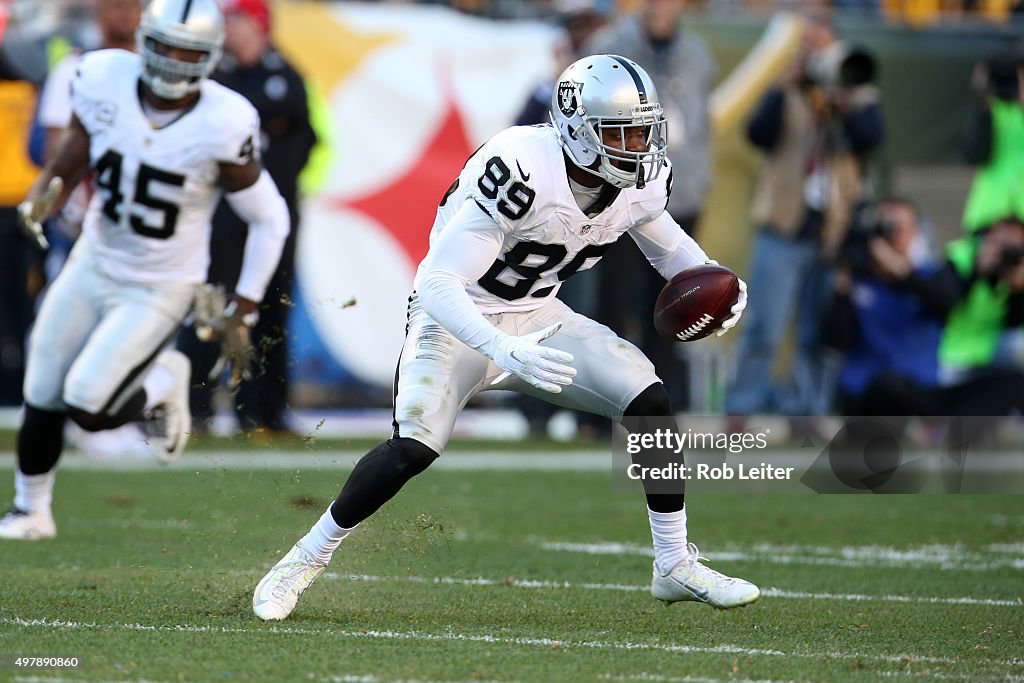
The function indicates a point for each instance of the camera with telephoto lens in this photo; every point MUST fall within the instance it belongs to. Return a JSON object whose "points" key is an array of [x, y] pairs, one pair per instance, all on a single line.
{"points": [[1010, 257], [867, 223], [841, 65]]}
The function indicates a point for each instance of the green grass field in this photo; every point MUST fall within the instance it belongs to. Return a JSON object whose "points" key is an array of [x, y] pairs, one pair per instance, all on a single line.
{"points": [[508, 576]]}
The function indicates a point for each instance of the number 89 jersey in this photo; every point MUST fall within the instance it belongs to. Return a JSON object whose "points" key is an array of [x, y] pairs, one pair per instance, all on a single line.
{"points": [[156, 189], [519, 179]]}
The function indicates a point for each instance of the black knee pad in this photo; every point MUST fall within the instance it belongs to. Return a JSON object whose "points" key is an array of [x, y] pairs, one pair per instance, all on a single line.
{"points": [[652, 402], [408, 457]]}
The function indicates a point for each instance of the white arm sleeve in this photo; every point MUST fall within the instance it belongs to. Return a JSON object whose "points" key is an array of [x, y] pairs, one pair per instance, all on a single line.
{"points": [[55, 98], [464, 250], [262, 207], [667, 246]]}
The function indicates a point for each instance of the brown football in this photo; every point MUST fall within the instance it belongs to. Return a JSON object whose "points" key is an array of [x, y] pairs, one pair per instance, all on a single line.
{"points": [[695, 302]]}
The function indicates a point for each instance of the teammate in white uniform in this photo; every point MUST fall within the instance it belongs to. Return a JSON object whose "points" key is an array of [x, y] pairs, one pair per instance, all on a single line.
{"points": [[162, 143], [531, 207]]}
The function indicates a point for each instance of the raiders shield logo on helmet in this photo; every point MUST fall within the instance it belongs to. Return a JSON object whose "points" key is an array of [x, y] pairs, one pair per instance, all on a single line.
{"points": [[567, 100]]}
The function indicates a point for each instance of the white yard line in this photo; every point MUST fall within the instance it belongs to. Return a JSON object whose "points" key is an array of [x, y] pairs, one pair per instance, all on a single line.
{"points": [[348, 678], [1009, 548], [859, 597], [547, 643], [946, 557], [939, 676], [659, 678], [629, 588], [43, 679], [503, 461], [370, 678]]}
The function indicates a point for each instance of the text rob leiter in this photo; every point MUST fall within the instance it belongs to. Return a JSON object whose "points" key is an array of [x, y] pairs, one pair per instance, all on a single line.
{"points": [[707, 472]]}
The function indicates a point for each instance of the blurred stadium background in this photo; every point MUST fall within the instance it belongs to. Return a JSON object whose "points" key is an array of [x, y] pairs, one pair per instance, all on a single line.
{"points": [[406, 103]]}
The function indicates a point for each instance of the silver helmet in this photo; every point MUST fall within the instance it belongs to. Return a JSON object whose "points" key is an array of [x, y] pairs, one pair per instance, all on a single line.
{"points": [[606, 91], [186, 24]]}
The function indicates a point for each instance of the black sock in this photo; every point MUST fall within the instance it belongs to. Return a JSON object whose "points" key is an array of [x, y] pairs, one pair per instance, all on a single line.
{"points": [[665, 502], [377, 477], [40, 440], [653, 402]]}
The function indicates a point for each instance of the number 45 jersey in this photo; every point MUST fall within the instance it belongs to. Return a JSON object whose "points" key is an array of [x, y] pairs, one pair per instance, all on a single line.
{"points": [[518, 178], [156, 188]]}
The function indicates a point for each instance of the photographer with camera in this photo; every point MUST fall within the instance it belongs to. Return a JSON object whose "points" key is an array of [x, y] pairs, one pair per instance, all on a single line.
{"points": [[987, 268], [815, 128], [887, 311], [995, 139], [920, 337]]}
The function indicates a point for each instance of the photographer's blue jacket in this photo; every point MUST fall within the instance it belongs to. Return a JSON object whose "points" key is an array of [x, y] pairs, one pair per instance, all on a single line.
{"points": [[889, 329]]}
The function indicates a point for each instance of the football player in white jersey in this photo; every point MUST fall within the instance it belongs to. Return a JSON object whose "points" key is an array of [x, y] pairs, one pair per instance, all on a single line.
{"points": [[531, 207], [162, 142]]}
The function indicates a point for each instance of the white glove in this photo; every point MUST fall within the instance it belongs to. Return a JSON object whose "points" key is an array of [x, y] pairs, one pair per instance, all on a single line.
{"points": [[737, 311], [543, 367], [32, 212]]}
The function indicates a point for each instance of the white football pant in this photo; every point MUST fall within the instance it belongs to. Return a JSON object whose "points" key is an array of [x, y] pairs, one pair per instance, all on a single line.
{"points": [[438, 374], [95, 337]]}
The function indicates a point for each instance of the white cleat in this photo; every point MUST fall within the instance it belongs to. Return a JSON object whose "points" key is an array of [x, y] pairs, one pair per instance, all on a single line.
{"points": [[277, 593], [690, 580], [167, 423], [27, 526]]}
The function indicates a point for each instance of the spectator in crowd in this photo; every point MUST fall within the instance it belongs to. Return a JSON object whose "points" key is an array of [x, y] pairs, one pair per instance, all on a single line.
{"points": [[116, 21], [19, 262], [580, 19], [866, 9], [253, 67], [995, 140], [684, 70], [815, 129]]}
